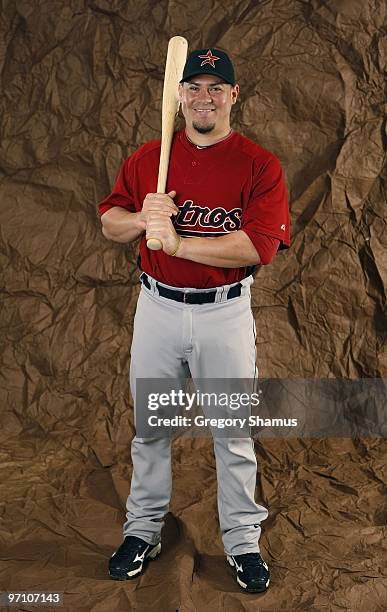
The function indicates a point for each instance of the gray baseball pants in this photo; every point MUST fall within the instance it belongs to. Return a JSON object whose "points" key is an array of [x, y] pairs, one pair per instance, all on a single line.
{"points": [[217, 340]]}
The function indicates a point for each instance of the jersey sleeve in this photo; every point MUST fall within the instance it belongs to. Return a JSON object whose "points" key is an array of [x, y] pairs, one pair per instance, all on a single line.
{"points": [[267, 211], [267, 247], [122, 193]]}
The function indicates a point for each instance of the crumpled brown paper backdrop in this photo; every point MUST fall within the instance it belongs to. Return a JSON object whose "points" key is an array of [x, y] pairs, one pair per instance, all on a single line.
{"points": [[81, 86]]}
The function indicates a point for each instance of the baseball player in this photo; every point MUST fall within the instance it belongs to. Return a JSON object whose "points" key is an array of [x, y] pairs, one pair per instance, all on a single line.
{"points": [[225, 213]]}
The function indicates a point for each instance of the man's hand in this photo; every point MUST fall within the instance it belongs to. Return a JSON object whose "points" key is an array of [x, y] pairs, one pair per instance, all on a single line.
{"points": [[160, 203], [156, 213], [160, 226]]}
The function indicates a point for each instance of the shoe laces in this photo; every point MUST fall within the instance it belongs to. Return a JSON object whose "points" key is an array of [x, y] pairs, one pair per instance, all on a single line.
{"points": [[128, 550], [250, 560]]}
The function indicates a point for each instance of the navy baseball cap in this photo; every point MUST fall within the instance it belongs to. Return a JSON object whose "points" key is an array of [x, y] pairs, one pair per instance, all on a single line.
{"points": [[209, 61]]}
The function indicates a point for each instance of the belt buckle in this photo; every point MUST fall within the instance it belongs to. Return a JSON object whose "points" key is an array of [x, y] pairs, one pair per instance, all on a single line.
{"points": [[184, 297]]}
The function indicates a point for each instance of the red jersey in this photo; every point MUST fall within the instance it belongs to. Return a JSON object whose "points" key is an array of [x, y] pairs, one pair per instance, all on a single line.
{"points": [[232, 185]]}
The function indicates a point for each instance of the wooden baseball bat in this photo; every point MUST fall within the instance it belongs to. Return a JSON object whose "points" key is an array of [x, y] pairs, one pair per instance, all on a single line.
{"points": [[174, 65]]}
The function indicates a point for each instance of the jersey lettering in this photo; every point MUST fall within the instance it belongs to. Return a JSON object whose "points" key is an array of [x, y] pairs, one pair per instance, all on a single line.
{"points": [[234, 221], [194, 216]]}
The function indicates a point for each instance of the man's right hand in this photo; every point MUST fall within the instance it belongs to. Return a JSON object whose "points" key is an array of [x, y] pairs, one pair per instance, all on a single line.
{"points": [[156, 204]]}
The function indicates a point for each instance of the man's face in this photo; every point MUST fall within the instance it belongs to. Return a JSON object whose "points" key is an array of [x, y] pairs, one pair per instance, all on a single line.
{"points": [[206, 103]]}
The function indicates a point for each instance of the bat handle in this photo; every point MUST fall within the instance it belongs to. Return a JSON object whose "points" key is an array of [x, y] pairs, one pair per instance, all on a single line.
{"points": [[154, 244]]}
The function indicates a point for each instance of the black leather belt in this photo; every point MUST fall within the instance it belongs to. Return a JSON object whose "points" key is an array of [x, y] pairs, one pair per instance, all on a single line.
{"points": [[190, 297]]}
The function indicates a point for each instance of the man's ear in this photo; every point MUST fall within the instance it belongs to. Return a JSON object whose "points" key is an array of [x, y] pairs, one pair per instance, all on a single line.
{"points": [[180, 91], [234, 93]]}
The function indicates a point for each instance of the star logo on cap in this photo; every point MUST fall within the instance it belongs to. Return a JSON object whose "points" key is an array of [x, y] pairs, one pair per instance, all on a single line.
{"points": [[208, 58]]}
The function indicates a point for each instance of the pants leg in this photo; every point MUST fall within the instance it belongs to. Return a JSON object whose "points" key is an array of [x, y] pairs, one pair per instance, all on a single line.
{"points": [[156, 353], [239, 515], [150, 489], [223, 346]]}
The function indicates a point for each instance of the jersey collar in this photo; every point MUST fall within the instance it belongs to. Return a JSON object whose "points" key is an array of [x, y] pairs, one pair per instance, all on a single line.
{"points": [[193, 147]]}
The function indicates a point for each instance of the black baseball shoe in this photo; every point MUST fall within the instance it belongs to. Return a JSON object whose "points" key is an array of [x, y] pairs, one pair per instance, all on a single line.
{"points": [[128, 560], [251, 572]]}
